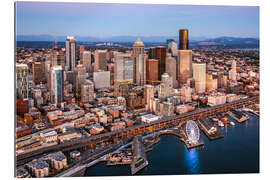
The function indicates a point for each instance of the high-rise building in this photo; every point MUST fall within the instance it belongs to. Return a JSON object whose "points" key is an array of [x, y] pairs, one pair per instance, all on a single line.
{"points": [[183, 39], [80, 77], [57, 84], [123, 67], [232, 72], [160, 55], [82, 49], [184, 66], [100, 60], [171, 68], [86, 61], [87, 92], [211, 82], [22, 81], [38, 70], [139, 63], [57, 59], [199, 75], [152, 71], [172, 47], [166, 86], [102, 79], [70, 53], [149, 95]]}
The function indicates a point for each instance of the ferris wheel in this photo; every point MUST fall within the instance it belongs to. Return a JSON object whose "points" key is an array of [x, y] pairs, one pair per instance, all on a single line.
{"points": [[192, 132]]}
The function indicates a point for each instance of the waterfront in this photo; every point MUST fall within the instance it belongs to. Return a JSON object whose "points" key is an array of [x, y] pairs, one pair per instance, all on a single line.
{"points": [[237, 152]]}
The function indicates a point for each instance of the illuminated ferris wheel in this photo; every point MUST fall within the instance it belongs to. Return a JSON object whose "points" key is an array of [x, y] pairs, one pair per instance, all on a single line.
{"points": [[192, 132]]}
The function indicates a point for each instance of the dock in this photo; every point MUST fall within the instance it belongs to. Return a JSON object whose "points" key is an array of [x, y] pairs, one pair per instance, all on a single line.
{"points": [[238, 116], [139, 160], [205, 125]]}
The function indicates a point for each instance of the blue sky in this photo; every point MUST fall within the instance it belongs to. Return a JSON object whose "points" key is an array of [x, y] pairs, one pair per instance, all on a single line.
{"points": [[106, 20]]}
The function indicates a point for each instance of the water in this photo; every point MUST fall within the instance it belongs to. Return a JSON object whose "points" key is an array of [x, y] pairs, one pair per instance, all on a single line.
{"points": [[237, 152]]}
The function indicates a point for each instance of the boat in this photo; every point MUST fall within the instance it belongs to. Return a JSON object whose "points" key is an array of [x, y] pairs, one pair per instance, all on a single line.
{"points": [[232, 123], [220, 123], [215, 119]]}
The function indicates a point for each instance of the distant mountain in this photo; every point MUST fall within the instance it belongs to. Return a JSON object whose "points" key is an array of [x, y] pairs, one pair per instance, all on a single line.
{"points": [[105, 39], [224, 40]]}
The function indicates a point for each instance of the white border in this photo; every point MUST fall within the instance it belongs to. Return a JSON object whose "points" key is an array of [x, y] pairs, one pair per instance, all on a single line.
{"points": [[7, 84]]}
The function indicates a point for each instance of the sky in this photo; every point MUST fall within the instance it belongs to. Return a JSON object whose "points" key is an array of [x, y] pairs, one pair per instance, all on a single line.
{"points": [[107, 20]]}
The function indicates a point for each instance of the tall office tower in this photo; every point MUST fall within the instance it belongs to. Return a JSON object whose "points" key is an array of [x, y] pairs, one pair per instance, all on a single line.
{"points": [[172, 47], [123, 67], [139, 64], [100, 60], [211, 82], [87, 92], [185, 93], [86, 61], [151, 52], [38, 70], [80, 77], [171, 68], [199, 75], [166, 86], [160, 55], [58, 59], [184, 66], [22, 81], [149, 95], [57, 84], [70, 53], [232, 72], [82, 49], [183, 39], [152, 71], [47, 70], [102, 79]]}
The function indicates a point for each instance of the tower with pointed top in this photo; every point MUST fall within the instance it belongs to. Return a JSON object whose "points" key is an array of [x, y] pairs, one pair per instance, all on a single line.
{"points": [[139, 62]]}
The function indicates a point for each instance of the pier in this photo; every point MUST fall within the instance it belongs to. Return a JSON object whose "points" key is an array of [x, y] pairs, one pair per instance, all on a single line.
{"points": [[205, 125]]}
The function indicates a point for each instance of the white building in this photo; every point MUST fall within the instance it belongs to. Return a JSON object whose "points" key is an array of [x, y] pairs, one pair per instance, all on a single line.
{"points": [[22, 81], [123, 67], [148, 118]]}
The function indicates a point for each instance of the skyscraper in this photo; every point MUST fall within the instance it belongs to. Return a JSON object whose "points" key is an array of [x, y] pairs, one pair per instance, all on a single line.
{"points": [[139, 63], [80, 76], [183, 39], [171, 68], [166, 86], [87, 91], [149, 95], [86, 61], [184, 69], [57, 59], [160, 55], [38, 70], [123, 67], [70, 53], [100, 60], [199, 75], [232, 72], [172, 47], [22, 81], [152, 71], [184, 66], [57, 84]]}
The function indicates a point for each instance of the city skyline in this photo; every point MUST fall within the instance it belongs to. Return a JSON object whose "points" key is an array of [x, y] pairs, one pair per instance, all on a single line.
{"points": [[107, 20]]}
